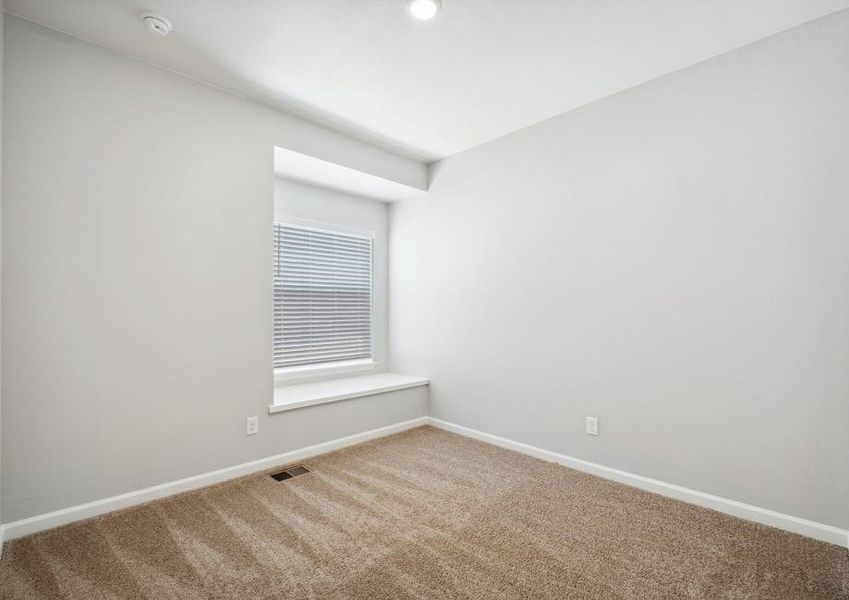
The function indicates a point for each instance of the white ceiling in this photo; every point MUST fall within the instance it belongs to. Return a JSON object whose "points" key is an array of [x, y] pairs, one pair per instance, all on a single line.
{"points": [[480, 70]]}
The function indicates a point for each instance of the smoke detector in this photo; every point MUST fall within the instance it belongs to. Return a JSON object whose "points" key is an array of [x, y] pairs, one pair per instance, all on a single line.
{"points": [[157, 24]]}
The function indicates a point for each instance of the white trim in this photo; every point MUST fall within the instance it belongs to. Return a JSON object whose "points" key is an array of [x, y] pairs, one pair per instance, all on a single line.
{"points": [[23, 527], [292, 397], [325, 227], [812, 529], [313, 372], [819, 531]]}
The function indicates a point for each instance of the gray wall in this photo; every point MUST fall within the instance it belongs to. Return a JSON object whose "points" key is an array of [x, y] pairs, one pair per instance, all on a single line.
{"points": [[673, 259], [2, 47], [137, 303]]}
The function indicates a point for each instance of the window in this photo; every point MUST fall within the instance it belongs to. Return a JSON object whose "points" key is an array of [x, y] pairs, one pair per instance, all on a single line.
{"points": [[322, 297]]}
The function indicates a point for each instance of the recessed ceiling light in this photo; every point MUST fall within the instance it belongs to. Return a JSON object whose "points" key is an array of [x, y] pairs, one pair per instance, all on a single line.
{"points": [[424, 10]]}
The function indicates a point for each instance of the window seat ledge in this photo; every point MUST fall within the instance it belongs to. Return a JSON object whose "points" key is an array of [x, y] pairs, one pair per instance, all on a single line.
{"points": [[291, 397]]}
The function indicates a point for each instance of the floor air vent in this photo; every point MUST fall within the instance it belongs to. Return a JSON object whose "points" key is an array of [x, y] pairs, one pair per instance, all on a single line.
{"points": [[289, 473]]}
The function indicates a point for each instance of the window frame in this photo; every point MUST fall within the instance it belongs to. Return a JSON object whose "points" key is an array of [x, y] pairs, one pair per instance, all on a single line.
{"points": [[315, 371]]}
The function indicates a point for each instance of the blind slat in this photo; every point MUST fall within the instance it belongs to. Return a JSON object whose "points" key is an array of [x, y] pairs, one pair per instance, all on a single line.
{"points": [[322, 296]]}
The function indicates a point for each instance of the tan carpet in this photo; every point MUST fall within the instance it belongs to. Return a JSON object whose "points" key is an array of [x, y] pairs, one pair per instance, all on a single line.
{"points": [[422, 514]]}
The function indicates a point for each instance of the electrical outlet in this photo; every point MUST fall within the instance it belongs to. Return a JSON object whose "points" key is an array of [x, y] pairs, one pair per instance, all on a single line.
{"points": [[592, 425], [252, 426]]}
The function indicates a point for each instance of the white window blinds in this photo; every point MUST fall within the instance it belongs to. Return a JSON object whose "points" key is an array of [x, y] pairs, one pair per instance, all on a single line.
{"points": [[322, 296]]}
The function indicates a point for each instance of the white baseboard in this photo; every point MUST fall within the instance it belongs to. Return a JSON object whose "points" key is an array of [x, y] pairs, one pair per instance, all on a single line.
{"points": [[16, 529], [812, 529], [819, 531]]}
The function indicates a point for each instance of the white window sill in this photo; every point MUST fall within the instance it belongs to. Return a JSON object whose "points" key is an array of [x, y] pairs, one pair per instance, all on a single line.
{"points": [[291, 397]]}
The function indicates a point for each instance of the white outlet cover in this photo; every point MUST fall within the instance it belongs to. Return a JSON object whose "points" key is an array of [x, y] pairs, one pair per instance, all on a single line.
{"points": [[592, 425], [252, 426]]}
